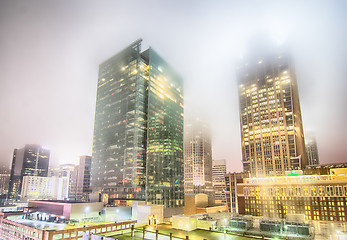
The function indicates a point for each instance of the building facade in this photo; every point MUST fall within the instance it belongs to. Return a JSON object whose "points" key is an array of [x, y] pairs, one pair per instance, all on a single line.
{"points": [[138, 130], [80, 180], [52, 188], [218, 178], [4, 180], [197, 158], [64, 170], [17, 230], [231, 195], [31, 160], [67, 171], [311, 149], [318, 197], [272, 135]]}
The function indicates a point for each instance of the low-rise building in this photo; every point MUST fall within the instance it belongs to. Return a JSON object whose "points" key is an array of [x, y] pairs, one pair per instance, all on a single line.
{"points": [[231, 182], [201, 203], [70, 220], [319, 197], [20, 229]]}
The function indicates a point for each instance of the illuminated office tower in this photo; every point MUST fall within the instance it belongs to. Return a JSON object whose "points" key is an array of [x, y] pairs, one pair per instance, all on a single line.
{"points": [[197, 158], [31, 160], [272, 135], [138, 131], [311, 149]]}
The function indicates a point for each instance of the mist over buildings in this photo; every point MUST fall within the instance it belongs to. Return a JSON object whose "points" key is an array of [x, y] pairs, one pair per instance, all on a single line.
{"points": [[50, 52]]}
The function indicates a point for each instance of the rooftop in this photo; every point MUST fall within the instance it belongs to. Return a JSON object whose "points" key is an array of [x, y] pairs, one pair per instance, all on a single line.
{"points": [[59, 201]]}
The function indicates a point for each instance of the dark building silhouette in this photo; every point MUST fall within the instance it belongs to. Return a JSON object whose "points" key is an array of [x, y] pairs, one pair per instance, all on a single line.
{"points": [[31, 160]]}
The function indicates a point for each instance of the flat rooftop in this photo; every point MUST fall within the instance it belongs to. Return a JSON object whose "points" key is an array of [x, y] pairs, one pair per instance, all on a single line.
{"points": [[44, 225], [60, 201]]}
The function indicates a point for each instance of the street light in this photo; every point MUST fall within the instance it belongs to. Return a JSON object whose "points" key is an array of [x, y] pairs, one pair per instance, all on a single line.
{"points": [[86, 210], [187, 229]]}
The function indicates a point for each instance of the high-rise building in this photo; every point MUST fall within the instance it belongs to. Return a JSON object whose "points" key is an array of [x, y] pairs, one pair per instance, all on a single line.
{"points": [[31, 160], [311, 149], [80, 180], [4, 180], [197, 158], [138, 131], [218, 178], [271, 126]]}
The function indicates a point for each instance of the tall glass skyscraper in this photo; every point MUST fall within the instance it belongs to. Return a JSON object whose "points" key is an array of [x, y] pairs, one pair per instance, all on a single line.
{"points": [[270, 117], [138, 131]]}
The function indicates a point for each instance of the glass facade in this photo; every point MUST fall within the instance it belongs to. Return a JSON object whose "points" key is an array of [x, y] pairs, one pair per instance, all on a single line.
{"points": [[138, 131], [32, 160], [270, 117]]}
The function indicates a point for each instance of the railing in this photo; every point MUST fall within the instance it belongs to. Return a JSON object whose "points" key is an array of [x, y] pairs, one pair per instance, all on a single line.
{"points": [[77, 233]]}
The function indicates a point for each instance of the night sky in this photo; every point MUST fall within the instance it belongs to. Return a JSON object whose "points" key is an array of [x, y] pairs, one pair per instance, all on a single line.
{"points": [[50, 52]]}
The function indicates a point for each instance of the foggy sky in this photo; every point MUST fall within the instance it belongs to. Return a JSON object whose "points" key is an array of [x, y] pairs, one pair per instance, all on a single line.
{"points": [[50, 52]]}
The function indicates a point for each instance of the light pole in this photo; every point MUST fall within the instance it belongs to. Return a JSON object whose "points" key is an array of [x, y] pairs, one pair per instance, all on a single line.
{"points": [[187, 230], [86, 210]]}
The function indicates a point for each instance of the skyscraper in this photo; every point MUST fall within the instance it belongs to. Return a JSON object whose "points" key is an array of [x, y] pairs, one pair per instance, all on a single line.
{"points": [[138, 131], [218, 178], [311, 149], [31, 160], [4, 180], [80, 180], [197, 158], [271, 126]]}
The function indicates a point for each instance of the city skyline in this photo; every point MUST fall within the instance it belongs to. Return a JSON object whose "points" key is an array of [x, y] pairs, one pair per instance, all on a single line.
{"points": [[53, 65]]}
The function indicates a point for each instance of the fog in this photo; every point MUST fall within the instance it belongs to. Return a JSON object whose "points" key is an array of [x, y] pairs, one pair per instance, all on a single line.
{"points": [[50, 52]]}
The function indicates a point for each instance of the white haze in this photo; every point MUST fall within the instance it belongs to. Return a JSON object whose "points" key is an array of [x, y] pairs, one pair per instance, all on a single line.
{"points": [[50, 51]]}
